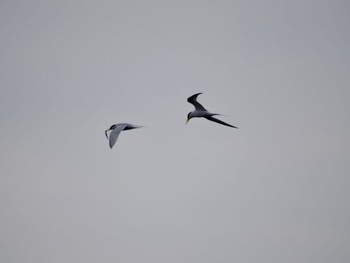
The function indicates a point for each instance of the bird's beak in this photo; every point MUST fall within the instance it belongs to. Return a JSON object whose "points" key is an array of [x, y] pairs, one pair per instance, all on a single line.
{"points": [[187, 120], [106, 132]]}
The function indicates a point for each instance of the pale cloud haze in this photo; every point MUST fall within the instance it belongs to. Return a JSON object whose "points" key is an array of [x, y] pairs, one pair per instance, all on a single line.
{"points": [[275, 190]]}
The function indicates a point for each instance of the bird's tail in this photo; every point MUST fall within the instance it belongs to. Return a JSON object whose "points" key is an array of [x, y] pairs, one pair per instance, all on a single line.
{"points": [[218, 114]]}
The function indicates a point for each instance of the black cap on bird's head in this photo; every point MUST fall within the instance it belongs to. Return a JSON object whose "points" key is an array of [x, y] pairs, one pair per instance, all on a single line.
{"points": [[110, 129]]}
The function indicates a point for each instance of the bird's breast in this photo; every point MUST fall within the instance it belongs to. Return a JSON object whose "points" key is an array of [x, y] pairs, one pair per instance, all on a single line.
{"points": [[199, 114]]}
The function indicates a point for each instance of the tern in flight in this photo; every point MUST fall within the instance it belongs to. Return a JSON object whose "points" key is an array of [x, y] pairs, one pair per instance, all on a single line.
{"points": [[200, 111], [116, 129]]}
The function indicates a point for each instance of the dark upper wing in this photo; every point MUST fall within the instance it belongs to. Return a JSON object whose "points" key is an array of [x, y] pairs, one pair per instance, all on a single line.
{"points": [[195, 103], [211, 118]]}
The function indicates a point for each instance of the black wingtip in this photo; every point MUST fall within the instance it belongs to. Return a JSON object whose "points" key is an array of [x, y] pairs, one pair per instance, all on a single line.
{"points": [[193, 97]]}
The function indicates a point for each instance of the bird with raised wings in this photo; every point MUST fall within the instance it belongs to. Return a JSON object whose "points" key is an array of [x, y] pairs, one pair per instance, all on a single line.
{"points": [[116, 129], [201, 112]]}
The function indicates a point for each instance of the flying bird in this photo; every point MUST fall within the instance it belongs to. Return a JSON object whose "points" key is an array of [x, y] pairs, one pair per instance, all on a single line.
{"points": [[200, 111], [116, 129]]}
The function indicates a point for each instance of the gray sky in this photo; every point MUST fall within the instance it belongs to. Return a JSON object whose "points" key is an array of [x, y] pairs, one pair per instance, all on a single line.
{"points": [[276, 190]]}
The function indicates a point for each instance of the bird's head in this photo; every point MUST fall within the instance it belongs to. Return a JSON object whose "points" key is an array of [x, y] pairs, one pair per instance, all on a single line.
{"points": [[189, 116], [110, 129]]}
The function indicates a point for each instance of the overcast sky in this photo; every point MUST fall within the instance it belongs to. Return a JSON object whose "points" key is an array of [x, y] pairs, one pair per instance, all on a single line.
{"points": [[275, 190]]}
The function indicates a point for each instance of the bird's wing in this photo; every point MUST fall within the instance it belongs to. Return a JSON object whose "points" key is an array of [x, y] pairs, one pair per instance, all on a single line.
{"points": [[195, 103], [211, 118], [113, 136]]}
